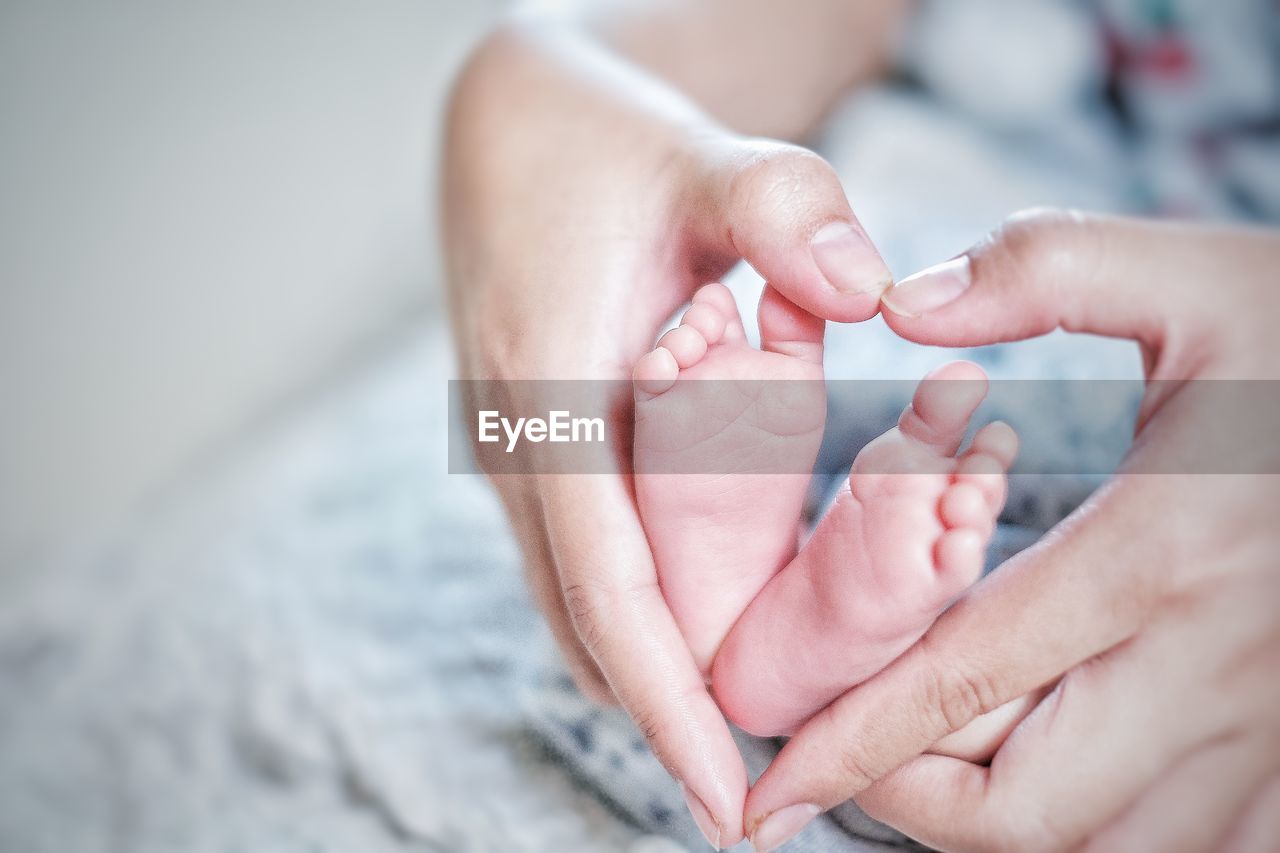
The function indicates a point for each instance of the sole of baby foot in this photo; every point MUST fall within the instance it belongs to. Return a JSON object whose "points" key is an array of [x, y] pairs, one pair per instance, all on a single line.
{"points": [[725, 438], [905, 536]]}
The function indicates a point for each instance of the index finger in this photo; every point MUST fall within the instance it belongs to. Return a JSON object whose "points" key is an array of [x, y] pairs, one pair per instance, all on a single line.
{"points": [[1078, 592], [611, 588]]}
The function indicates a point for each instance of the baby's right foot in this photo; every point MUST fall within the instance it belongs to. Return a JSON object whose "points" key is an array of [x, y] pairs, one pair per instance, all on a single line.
{"points": [[905, 536], [723, 457]]}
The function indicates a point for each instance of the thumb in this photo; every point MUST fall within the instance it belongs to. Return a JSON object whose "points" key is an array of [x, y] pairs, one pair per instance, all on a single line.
{"points": [[1043, 270], [1041, 614], [782, 209]]}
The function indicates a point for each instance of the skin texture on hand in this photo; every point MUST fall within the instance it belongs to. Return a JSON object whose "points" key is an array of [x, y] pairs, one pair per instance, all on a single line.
{"points": [[584, 202], [1149, 614]]}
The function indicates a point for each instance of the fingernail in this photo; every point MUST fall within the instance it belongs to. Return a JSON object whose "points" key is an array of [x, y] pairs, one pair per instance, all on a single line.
{"points": [[929, 289], [778, 828], [848, 260], [708, 825]]}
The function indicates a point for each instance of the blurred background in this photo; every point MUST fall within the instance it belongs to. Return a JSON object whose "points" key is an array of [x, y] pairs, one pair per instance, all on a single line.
{"points": [[242, 604], [204, 209]]}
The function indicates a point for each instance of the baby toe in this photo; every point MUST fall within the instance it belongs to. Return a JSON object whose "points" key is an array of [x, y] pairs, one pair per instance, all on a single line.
{"points": [[987, 474], [943, 403], [686, 344], [720, 298], [787, 329], [965, 505], [958, 559], [708, 320], [655, 373], [998, 440]]}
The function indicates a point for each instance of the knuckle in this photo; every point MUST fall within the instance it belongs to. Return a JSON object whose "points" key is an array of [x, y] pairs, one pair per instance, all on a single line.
{"points": [[648, 724], [1052, 245], [856, 767], [1038, 236], [958, 694], [587, 606], [594, 605], [778, 177]]}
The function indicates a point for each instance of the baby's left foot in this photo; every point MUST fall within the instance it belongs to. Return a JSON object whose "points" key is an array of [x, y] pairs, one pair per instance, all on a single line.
{"points": [[726, 435], [905, 536]]}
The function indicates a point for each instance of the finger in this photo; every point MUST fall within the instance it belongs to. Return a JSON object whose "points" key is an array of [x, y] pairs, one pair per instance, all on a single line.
{"points": [[525, 513], [1193, 808], [782, 210], [1018, 802], [618, 610], [978, 741], [1046, 270], [1143, 708], [951, 793], [1259, 830], [1019, 629]]}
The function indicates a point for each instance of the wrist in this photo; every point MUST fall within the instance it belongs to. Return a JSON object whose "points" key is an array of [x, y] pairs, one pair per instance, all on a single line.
{"points": [[555, 183]]}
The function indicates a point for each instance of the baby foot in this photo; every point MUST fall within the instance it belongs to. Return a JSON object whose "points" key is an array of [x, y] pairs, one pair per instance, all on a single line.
{"points": [[722, 466], [905, 537]]}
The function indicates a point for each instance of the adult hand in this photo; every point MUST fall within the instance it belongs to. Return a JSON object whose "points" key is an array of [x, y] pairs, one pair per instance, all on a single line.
{"points": [[584, 203], [1153, 608]]}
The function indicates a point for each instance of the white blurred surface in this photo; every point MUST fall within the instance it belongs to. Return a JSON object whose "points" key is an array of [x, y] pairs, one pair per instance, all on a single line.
{"points": [[204, 208]]}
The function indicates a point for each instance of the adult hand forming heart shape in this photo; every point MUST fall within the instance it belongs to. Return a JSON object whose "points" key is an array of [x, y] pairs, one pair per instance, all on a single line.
{"points": [[573, 239]]}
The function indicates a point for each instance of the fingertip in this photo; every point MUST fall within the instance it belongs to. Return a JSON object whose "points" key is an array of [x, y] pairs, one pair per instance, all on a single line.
{"points": [[929, 289], [783, 210], [848, 261]]}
